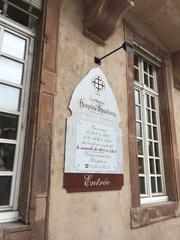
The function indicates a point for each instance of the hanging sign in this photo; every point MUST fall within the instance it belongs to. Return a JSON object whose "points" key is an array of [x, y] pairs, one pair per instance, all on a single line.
{"points": [[93, 158]]}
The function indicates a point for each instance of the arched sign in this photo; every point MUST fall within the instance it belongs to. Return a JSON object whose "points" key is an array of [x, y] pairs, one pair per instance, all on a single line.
{"points": [[94, 157]]}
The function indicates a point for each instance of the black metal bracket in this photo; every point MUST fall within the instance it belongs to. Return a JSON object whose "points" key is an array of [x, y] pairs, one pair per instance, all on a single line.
{"points": [[127, 46], [97, 60]]}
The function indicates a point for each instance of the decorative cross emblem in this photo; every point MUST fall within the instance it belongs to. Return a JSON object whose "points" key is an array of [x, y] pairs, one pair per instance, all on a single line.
{"points": [[98, 83]]}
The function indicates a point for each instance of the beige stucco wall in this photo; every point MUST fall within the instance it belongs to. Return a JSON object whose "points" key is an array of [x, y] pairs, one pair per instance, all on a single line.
{"points": [[176, 98], [94, 215]]}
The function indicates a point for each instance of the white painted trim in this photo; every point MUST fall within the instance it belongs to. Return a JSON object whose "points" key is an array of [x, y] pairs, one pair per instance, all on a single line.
{"points": [[143, 91], [9, 216], [147, 200], [25, 88], [9, 141], [147, 55]]}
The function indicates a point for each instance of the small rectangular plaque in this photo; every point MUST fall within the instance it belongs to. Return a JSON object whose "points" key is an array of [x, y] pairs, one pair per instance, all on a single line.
{"points": [[80, 182]]}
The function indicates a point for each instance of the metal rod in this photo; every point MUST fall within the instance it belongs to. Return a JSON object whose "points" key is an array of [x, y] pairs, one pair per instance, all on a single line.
{"points": [[128, 47], [110, 53]]}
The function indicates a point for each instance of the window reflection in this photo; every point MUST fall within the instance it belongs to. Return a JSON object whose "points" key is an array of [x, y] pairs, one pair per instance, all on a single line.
{"points": [[10, 97], [11, 40], [11, 70], [8, 125], [5, 187], [7, 152]]}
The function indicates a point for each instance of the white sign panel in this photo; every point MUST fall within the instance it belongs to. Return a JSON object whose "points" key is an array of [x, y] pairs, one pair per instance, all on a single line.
{"points": [[93, 139]]}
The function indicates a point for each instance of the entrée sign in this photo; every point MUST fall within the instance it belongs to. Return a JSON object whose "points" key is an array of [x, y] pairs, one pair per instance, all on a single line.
{"points": [[94, 156]]}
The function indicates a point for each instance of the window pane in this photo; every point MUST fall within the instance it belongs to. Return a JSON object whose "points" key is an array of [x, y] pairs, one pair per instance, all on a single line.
{"points": [[9, 41], [138, 113], [146, 80], [156, 149], [138, 129], [158, 168], [136, 60], [152, 168], [145, 66], [150, 69], [153, 185], [153, 103], [1, 7], [18, 15], [159, 183], [151, 80], [148, 116], [149, 132], [136, 74], [150, 146], [8, 125], [154, 117], [147, 101], [7, 152], [9, 98], [137, 97], [140, 147], [141, 165], [11, 71], [155, 133], [142, 185], [5, 188]]}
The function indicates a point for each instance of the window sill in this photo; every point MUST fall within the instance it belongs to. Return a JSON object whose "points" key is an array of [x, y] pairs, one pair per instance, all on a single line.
{"points": [[13, 226], [8, 216], [147, 214], [14, 230], [149, 200]]}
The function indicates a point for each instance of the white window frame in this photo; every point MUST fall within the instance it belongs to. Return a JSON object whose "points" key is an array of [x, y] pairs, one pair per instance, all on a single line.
{"points": [[140, 86], [10, 212]]}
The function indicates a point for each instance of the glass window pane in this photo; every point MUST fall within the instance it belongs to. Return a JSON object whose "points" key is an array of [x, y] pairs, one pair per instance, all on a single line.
{"points": [[153, 185], [142, 185], [151, 81], [154, 117], [9, 41], [148, 116], [138, 113], [5, 188], [158, 168], [149, 132], [7, 152], [1, 6], [140, 147], [159, 183], [147, 101], [146, 80], [8, 125], [145, 66], [155, 133], [9, 98], [150, 69], [137, 97], [138, 129], [18, 15], [136, 60], [153, 103], [136, 74], [11, 71], [141, 165], [150, 146], [156, 149], [152, 168]]}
